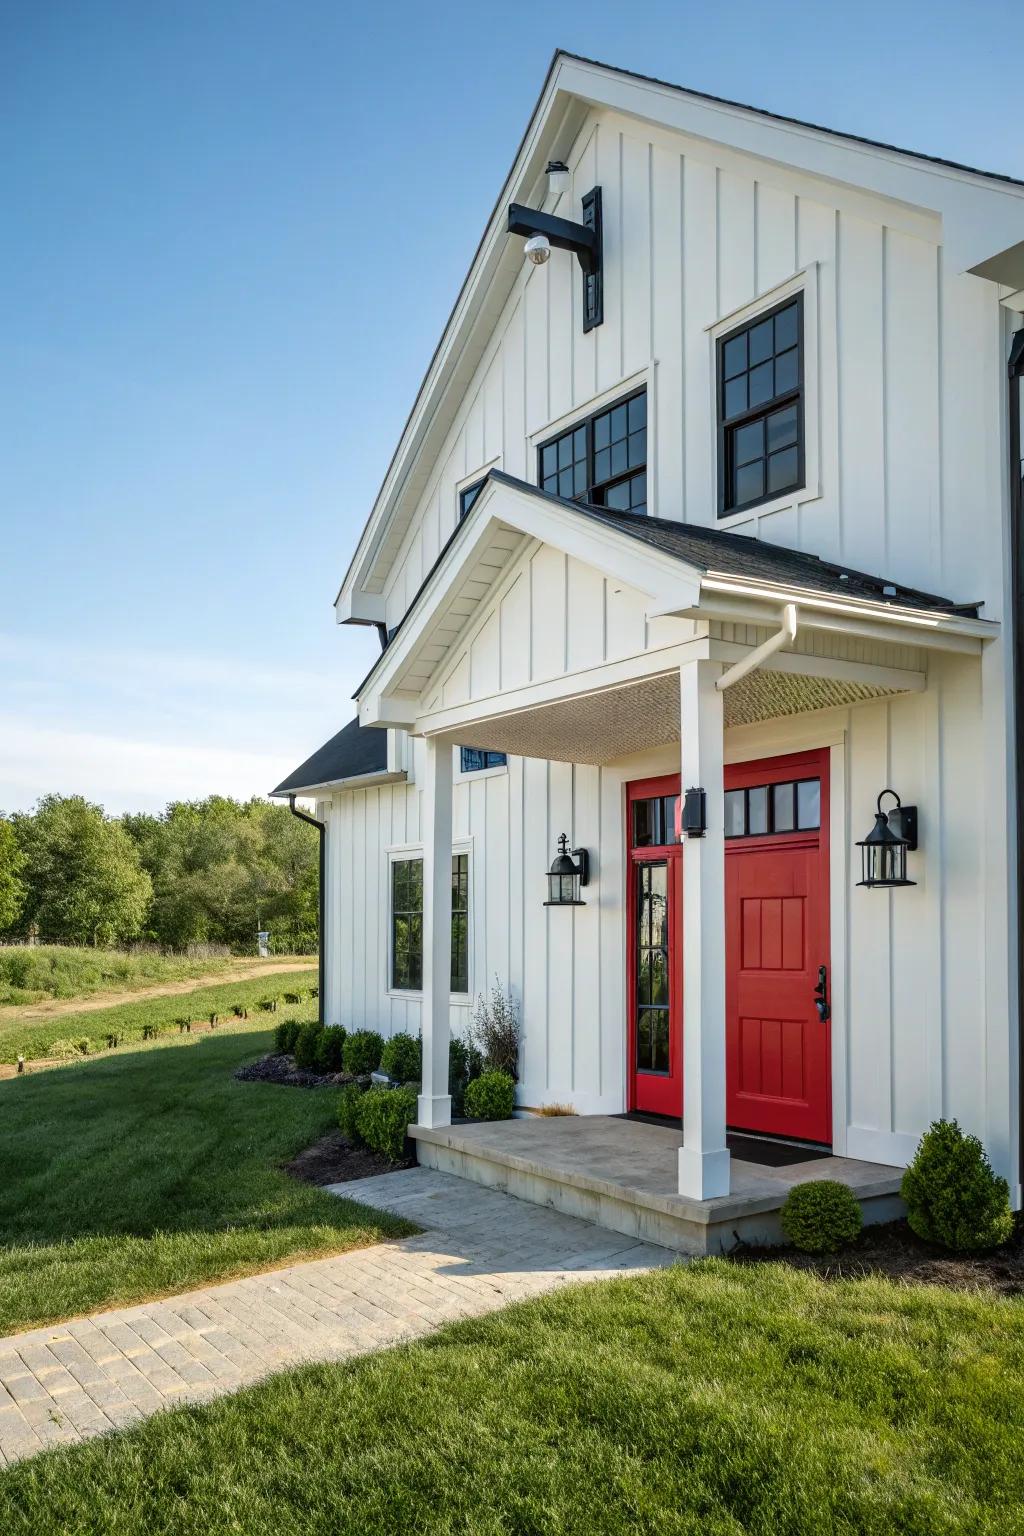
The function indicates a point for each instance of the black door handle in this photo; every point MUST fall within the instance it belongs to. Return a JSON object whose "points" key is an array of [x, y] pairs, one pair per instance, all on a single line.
{"points": [[821, 995]]}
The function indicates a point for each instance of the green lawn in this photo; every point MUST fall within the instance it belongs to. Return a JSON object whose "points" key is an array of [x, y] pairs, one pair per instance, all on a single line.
{"points": [[714, 1399], [34, 1039], [152, 1170]]}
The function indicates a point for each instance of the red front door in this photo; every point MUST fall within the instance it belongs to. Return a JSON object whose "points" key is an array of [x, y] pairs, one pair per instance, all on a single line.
{"points": [[778, 1048], [655, 898]]}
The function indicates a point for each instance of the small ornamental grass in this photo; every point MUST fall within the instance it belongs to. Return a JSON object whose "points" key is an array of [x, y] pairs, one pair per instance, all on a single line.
{"points": [[383, 1117], [402, 1058], [363, 1050], [821, 1216], [494, 1031], [952, 1194], [491, 1096]]}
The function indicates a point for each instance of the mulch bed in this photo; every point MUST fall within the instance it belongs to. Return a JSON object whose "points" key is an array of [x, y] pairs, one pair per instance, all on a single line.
{"points": [[282, 1069], [892, 1249], [334, 1160]]}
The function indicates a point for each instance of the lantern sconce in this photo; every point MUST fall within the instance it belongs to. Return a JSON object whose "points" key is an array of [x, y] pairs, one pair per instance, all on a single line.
{"points": [[884, 850], [694, 820], [566, 878]]}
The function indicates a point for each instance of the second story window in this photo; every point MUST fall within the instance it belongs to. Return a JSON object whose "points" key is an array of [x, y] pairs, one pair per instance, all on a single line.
{"points": [[760, 409], [468, 496], [474, 759], [603, 460]]}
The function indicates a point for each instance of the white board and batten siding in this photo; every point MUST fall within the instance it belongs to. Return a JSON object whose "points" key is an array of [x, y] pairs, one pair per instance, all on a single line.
{"points": [[904, 421]]}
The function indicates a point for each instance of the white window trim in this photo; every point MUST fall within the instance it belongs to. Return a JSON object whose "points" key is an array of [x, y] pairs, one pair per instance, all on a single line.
{"points": [[396, 852], [644, 378], [806, 282]]}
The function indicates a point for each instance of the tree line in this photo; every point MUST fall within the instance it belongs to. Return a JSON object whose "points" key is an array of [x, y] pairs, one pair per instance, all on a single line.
{"points": [[202, 871]]}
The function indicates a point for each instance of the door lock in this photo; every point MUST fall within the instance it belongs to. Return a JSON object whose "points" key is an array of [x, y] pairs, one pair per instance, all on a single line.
{"points": [[821, 995]]}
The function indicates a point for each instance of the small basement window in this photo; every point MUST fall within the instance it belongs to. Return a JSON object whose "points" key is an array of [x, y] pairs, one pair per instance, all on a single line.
{"points": [[761, 409]]}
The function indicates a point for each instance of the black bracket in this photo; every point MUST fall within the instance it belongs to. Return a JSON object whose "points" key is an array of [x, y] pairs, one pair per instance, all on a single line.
{"points": [[584, 240]]}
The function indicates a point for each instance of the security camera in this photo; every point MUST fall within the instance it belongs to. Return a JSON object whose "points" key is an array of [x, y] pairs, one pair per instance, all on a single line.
{"points": [[537, 249]]}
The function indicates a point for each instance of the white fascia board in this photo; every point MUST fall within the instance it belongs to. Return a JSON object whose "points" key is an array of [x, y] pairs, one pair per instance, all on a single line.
{"points": [[358, 781], [354, 606]]}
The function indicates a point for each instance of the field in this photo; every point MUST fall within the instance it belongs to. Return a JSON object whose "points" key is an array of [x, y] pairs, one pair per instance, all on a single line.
{"points": [[711, 1399], [34, 1039], [31, 973], [151, 1170]]}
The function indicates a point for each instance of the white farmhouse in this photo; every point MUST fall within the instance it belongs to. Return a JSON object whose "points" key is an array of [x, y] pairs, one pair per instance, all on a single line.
{"points": [[701, 547]]}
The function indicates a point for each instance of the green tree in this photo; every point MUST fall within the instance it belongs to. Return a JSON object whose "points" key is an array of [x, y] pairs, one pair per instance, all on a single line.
{"points": [[12, 889], [83, 879]]}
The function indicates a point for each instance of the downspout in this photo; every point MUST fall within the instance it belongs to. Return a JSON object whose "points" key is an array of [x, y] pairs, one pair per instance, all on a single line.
{"points": [[760, 654], [321, 903], [1016, 370]]}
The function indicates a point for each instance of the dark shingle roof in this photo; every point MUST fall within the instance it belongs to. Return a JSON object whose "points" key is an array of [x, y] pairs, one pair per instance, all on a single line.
{"points": [[355, 751], [737, 554]]}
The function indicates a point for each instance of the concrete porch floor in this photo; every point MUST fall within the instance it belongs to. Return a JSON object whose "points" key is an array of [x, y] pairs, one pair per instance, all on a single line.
{"points": [[622, 1175]]}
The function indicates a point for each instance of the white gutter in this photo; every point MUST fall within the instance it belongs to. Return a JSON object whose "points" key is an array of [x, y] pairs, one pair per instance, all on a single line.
{"points": [[761, 653]]}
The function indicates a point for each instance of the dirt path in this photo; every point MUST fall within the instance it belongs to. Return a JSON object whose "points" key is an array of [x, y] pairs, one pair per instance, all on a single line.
{"points": [[26, 1012]]}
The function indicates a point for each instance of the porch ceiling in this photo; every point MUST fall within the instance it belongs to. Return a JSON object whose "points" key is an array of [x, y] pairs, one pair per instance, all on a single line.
{"points": [[603, 726]]}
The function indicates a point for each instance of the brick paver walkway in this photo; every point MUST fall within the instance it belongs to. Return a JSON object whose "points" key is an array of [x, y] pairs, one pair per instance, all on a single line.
{"points": [[481, 1250]]}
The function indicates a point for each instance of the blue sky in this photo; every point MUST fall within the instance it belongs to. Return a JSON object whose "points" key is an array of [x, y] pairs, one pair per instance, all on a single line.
{"points": [[233, 230]]}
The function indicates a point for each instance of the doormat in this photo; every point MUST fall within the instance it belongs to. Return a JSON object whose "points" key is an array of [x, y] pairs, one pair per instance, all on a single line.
{"points": [[749, 1149]]}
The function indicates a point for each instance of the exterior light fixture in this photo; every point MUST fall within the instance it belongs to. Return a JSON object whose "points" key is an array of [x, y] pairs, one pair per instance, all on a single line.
{"points": [[565, 877], [884, 850], [694, 820], [559, 177], [584, 239]]}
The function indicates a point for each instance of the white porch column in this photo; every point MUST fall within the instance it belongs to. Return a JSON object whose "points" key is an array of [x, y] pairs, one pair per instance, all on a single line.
{"points": [[703, 1157], [435, 1105]]}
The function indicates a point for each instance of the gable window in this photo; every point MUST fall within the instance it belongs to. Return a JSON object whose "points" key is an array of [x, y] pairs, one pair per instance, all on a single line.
{"points": [[474, 760], [468, 496], [761, 408], [602, 461], [407, 924]]}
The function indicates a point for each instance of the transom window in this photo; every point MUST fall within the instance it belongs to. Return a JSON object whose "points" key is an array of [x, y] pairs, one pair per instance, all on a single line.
{"points": [[407, 924], [654, 822], [473, 759], [468, 496], [760, 408], [603, 460], [794, 806]]}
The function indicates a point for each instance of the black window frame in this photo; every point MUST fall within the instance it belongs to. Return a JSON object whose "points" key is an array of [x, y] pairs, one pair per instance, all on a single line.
{"points": [[586, 425], [459, 973], [768, 788], [470, 492], [488, 759], [728, 427]]}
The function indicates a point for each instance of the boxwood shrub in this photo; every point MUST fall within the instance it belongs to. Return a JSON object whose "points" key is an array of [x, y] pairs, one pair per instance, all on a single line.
{"points": [[952, 1194], [464, 1064], [821, 1216], [492, 1096], [307, 1045], [285, 1035], [383, 1117], [363, 1050], [402, 1057], [330, 1048], [348, 1111]]}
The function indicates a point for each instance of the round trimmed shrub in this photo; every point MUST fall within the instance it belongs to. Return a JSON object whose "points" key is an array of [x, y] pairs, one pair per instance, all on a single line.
{"points": [[363, 1050], [330, 1049], [402, 1057], [307, 1044], [348, 1111], [952, 1194], [821, 1216], [383, 1117], [492, 1096], [285, 1035]]}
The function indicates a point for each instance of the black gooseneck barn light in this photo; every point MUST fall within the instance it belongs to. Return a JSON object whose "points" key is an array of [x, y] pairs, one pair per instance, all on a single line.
{"points": [[565, 878], [884, 851], [544, 230]]}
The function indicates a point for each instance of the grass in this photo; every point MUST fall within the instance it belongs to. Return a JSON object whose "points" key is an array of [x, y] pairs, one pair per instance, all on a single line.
{"points": [[715, 1399], [151, 1171], [33, 1038], [30, 973]]}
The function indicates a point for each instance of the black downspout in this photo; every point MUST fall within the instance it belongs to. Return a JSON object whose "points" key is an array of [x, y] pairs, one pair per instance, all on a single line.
{"points": [[322, 901], [1016, 370]]}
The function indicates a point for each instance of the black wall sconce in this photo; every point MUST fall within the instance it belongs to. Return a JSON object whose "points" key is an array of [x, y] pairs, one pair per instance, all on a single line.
{"points": [[695, 814], [884, 851], [565, 878], [544, 230]]}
